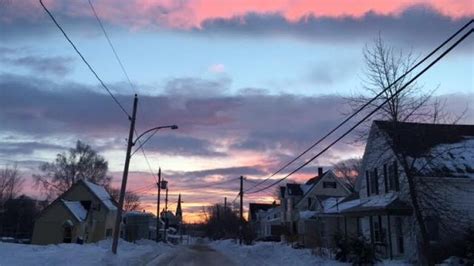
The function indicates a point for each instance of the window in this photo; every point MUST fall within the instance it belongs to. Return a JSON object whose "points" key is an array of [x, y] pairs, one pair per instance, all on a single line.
{"points": [[377, 231], [67, 234], [309, 202], [108, 232], [375, 182], [367, 183], [329, 184], [393, 177], [399, 232]]}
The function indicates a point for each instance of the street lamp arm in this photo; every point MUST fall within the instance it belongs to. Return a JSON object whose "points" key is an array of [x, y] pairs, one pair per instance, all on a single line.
{"points": [[155, 129], [152, 129]]}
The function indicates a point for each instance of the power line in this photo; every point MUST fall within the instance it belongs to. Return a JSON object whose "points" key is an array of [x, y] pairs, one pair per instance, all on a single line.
{"points": [[117, 57], [124, 71], [143, 188], [84, 60], [365, 105], [368, 115], [111, 45]]}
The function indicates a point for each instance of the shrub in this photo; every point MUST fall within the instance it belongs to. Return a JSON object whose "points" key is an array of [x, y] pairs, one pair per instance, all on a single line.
{"points": [[356, 250]]}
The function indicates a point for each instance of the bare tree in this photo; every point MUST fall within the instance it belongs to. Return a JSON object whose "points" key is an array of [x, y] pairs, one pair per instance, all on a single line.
{"points": [[348, 170], [81, 162], [11, 183], [131, 200], [221, 222], [383, 66]]}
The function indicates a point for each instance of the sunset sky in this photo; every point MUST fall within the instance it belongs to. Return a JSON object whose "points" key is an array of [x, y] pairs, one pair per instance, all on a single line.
{"points": [[249, 83]]}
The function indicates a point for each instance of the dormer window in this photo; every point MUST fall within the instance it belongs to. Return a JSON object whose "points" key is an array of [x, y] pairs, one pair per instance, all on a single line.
{"points": [[329, 184]]}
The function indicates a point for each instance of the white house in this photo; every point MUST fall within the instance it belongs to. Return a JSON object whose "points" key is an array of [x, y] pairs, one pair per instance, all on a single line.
{"points": [[431, 161], [269, 223], [315, 191]]}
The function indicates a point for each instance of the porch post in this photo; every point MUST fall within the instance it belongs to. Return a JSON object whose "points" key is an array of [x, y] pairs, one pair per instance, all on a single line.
{"points": [[371, 221], [345, 227], [389, 236]]}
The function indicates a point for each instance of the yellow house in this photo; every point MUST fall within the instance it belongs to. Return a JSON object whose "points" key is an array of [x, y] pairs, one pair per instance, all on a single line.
{"points": [[83, 214]]}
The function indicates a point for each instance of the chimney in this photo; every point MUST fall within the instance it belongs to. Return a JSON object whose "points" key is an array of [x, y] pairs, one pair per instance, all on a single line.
{"points": [[320, 171]]}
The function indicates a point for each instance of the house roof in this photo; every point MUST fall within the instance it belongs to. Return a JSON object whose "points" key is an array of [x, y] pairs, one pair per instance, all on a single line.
{"points": [[440, 149], [255, 207], [101, 194], [380, 204], [313, 182], [294, 189], [76, 208]]}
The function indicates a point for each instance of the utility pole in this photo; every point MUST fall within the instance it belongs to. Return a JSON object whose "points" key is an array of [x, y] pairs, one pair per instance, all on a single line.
{"points": [[123, 188], [225, 206], [241, 226], [158, 224], [166, 214]]}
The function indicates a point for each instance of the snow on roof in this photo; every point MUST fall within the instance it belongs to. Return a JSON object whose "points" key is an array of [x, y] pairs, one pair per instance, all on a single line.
{"points": [[441, 150], [338, 207], [102, 194], [137, 213], [449, 160], [379, 200], [76, 208], [307, 214]]}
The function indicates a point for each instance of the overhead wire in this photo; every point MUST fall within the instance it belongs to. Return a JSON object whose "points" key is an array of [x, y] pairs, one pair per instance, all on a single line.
{"points": [[111, 45], [124, 71], [360, 109], [84, 60], [368, 115]]}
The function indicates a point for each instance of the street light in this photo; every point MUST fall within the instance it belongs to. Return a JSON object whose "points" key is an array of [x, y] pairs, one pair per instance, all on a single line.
{"points": [[155, 129]]}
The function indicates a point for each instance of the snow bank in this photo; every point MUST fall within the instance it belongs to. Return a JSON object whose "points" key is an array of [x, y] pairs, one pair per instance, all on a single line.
{"points": [[89, 254], [269, 253]]}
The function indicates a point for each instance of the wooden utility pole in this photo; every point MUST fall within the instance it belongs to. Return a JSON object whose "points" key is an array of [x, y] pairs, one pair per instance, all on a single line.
{"points": [[158, 224], [225, 206], [166, 215], [241, 226], [123, 188]]}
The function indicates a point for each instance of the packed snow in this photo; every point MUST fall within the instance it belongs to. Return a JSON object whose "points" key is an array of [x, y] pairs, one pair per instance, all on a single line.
{"points": [[74, 254], [147, 252], [269, 253]]}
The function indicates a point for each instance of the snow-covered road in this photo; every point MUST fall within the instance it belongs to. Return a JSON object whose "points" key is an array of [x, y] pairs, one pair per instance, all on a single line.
{"points": [[195, 255]]}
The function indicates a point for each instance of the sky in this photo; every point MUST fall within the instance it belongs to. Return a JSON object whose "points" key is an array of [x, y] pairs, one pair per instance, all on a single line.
{"points": [[249, 83]]}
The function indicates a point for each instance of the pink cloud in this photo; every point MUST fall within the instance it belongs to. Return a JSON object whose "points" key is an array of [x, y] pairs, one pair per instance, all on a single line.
{"points": [[187, 14], [217, 68]]}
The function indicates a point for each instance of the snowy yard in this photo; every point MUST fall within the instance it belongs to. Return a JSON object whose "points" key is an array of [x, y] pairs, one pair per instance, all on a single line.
{"points": [[147, 252], [74, 254]]}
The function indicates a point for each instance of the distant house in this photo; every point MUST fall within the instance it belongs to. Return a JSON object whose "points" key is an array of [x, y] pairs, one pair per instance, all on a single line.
{"points": [[138, 225], [265, 220], [326, 185], [84, 213], [290, 194], [441, 162], [270, 224]]}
